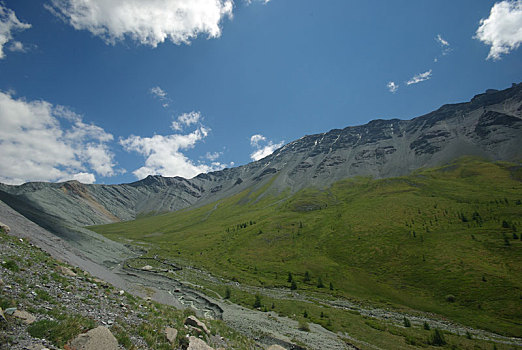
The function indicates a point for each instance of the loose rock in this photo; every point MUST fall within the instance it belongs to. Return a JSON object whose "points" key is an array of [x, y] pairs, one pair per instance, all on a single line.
{"points": [[171, 334], [66, 271], [276, 347], [10, 311], [99, 338], [4, 227], [25, 316], [198, 344], [193, 321], [2, 317]]}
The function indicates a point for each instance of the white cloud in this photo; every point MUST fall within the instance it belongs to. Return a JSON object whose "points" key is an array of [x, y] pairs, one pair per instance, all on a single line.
{"points": [[160, 94], [9, 23], [212, 156], [441, 41], [17, 46], [255, 139], [147, 22], [164, 156], [419, 78], [186, 119], [502, 30], [85, 178], [263, 1], [262, 151], [42, 142], [392, 86]]}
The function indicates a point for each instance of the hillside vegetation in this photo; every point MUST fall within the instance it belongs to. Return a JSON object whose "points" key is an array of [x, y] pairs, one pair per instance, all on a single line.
{"points": [[445, 241]]}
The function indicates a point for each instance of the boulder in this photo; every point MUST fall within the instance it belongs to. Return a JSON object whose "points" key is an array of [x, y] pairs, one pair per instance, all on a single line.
{"points": [[147, 268], [25, 316], [36, 347], [10, 311], [198, 344], [275, 347], [194, 322], [66, 271], [171, 334], [99, 338], [4, 227]]}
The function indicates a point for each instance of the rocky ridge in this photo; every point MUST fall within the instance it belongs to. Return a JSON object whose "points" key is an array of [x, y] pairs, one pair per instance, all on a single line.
{"points": [[489, 126]]}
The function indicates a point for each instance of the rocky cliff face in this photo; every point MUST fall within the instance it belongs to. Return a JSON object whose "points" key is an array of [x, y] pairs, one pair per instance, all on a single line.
{"points": [[489, 126]]}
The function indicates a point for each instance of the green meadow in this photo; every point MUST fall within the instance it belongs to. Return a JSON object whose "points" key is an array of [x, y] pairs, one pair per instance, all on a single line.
{"points": [[445, 241]]}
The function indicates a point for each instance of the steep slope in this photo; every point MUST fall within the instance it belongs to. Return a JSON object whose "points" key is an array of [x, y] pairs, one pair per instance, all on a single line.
{"points": [[490, 126], [444, 240]]}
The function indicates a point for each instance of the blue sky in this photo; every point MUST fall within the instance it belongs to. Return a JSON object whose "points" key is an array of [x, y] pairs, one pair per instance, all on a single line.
{"points": [[114, 90]]}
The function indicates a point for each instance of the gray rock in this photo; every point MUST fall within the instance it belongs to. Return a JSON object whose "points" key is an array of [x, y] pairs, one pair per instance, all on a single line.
{"points": [[198, 344], [171, 334], [275, 347], [37, 347], [99, 338], [147, 268], [25, 316], [10, 310], [66, 271], [4, 227], [194, 322]]}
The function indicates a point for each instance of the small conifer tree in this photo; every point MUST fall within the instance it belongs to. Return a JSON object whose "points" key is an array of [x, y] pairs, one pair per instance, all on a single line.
{"points": [[257, 301], [306, 277]]}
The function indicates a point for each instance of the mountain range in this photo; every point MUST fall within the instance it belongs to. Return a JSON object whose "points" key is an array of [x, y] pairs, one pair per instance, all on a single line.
{"points": [[488, 126]]}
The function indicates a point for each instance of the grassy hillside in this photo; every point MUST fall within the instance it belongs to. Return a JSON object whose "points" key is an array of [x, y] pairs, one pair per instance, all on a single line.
{"points": [[445, 240]]}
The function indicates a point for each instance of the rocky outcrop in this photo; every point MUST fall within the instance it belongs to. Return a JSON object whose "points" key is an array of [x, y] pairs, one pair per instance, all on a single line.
{"points": [[99, 338], [194, 322]]}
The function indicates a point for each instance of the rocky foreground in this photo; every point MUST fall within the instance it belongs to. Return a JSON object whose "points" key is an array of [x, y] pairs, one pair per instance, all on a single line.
{"points": [[46, 304]]}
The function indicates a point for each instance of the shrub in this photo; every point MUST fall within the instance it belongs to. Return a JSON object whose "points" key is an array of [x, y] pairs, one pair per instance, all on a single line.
{"points": [[406, 322], [11, 265], [59, 333], [450, 298], [437, 338], [121, 335], [227, 293], [426, 326], [303, 326]]}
